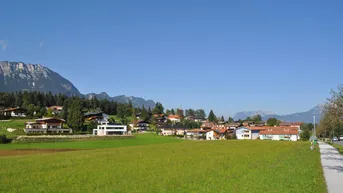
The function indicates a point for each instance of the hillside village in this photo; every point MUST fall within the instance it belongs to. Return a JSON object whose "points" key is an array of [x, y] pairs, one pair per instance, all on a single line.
{"points": [[165, 125]]}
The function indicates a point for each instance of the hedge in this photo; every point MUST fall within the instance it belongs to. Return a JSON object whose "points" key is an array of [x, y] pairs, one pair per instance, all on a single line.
{"points": [[43, 139]]}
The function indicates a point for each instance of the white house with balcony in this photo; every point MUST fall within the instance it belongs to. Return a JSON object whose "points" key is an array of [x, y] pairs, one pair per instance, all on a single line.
{"points": [[46, 125], [110, 129], [243, 133]]}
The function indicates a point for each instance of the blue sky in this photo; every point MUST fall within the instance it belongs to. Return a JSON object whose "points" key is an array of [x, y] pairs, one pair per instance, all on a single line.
{"points": [[229, 56]]}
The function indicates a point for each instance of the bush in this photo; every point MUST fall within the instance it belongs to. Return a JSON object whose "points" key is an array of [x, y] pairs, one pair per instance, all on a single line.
{"points": [[3, 139]]}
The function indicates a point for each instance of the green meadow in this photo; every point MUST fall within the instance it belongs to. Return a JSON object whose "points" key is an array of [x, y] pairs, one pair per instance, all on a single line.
{"points": [[152, 163]]}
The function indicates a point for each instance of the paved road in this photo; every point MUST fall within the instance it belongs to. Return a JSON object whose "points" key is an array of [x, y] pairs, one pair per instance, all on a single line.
{"points": [[339, 142], [332, 163]]}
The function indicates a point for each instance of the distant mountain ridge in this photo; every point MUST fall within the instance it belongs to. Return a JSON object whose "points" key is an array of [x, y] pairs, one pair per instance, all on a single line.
{"points": [[18, 76], [136, 101], [306, 116]]}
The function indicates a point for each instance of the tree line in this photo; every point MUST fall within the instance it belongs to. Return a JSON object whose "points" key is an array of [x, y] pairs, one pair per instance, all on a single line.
{"points": [[331, 124]]}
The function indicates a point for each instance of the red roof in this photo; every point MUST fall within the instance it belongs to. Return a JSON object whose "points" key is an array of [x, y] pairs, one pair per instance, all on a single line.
{"points": [[174, 117]]}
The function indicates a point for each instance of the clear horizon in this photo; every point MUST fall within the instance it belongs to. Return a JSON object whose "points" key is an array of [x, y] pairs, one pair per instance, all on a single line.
{"points": [[282, 57]]}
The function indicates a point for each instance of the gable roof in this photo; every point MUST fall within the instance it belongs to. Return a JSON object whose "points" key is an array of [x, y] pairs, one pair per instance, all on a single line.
{"points": [[174, 117]]}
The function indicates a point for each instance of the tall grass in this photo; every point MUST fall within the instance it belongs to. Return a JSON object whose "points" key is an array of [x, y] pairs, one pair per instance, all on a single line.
{"points": [[188, 166]]}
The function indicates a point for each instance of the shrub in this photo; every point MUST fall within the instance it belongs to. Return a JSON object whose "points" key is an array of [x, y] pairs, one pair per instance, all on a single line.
{"points": [[3, 139]]}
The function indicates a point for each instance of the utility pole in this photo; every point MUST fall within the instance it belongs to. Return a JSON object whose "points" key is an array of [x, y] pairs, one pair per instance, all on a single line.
{"points": [[314, 124]]}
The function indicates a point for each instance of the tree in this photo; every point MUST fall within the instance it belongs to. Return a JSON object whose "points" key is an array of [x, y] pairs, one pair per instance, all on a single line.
{"points": [[305, 134], [190, 113], [179, 112], [144, 114], [333, 113], [212, 117], [168, 112], [200, 113], [42, 111], [222, 119], [257, 118], [272, 121], [75, 116], [230, 120], [172, 111], [49, 113], [159, 109]]}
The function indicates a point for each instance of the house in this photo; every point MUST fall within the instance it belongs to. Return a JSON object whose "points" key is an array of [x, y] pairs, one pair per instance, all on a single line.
{"points": [[243, 133], [219, 133], [207, 125], [195, 133], [106, 128], [248, 123], [210, 135], [233, 126], [195, 119], [142, 126], [46, 125], [161, 118], [255, 131], [286, 134], [99, 117], [174, 118], [56, 109], [166, 132], [15, 112]]}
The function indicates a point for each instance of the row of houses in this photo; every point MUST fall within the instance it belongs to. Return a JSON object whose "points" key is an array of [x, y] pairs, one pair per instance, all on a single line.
{"points": [[21, 112], [215, 131]]}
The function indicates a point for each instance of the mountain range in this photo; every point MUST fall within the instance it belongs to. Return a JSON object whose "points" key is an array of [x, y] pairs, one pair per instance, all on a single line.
{"points": [[18, 76], [306, 116]]}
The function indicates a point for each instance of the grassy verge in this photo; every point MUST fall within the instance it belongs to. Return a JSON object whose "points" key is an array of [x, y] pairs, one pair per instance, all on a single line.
{"points": [[141, 139], [188, 166], [338, 147]]}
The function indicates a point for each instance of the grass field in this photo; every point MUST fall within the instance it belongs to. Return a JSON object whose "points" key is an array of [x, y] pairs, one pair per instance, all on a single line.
{"points": [[187, 166]]}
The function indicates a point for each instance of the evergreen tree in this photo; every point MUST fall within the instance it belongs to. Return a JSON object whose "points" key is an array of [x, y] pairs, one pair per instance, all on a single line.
{"points": [[75, 116], [172, 111], [159, 109], [222, 119], [230, 120], [144, 114], [212, 117]]}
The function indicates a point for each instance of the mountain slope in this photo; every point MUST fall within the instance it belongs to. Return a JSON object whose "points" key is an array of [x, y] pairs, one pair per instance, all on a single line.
{"points": [[306, 117], [244, 114], [136, 101], [17, 76]]}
